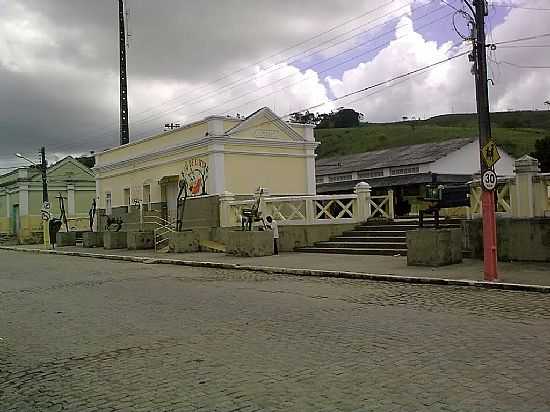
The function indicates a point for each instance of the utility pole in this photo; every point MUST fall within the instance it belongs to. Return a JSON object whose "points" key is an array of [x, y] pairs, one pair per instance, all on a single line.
{"points": [[485, 137], [45, 199], [124, 130], [43, 169]]}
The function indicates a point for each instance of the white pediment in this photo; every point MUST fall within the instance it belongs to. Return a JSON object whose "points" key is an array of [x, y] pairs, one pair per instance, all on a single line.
{"points": [[264, 124]]}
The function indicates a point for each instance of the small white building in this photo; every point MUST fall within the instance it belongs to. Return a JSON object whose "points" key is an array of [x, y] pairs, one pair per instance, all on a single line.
{"points": [[407, 169]]}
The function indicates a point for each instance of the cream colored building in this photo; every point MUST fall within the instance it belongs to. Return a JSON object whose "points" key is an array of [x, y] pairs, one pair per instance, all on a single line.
{"points": [[215, 155], [21, 198]]}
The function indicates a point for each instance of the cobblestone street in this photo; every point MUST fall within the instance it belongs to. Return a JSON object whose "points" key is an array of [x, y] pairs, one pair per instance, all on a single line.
{"points": [[82, 334]]}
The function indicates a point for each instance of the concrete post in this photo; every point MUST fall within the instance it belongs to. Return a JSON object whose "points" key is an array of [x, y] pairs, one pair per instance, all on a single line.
{"points": [[526, 168], [310, 211], [225, 209], [363, 206], [391, 211]]}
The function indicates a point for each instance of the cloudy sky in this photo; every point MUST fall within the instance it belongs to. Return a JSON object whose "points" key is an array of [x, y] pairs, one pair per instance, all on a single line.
{"points": [[188, 59]]}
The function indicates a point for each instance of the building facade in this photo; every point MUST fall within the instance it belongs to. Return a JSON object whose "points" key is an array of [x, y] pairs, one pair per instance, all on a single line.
{"points": [[214, 156], [21, 198]]}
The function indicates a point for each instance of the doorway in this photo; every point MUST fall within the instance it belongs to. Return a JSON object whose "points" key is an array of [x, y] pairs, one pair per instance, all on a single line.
{"points": [[15, 221]]}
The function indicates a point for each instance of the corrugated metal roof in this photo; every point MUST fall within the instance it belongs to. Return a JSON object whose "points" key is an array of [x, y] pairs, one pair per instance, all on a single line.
{"points": [[391, 157]]}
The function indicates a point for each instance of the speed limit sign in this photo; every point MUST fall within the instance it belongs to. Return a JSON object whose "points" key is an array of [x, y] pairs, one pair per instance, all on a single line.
{"points": [[489, 180]]}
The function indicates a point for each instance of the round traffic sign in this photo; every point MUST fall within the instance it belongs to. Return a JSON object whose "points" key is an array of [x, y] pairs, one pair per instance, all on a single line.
{"points": [[489, 180]]}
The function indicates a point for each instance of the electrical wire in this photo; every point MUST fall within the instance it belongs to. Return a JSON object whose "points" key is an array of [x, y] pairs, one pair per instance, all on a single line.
{"points": [[277, 66], [519, 66], [538, 36], [134, 124], [300, 81], [511, 6], [264, 59]]}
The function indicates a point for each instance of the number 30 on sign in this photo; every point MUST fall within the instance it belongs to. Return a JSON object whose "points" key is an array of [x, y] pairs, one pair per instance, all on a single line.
{"points": [[489, 180]]}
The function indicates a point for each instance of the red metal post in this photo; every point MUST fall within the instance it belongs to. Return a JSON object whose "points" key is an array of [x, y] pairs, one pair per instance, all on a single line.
{"points": [[489, 237]]}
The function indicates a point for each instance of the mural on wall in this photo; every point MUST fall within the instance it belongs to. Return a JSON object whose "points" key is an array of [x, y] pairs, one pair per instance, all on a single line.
{"points": [[193, 183], [195, 174]]}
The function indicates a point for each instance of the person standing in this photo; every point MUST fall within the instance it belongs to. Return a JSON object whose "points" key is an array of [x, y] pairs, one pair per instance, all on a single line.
{"points": [[272, 225]]}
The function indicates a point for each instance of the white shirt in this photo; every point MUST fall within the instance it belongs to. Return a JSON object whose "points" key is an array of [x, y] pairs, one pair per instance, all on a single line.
{"points": [[275, 229]]}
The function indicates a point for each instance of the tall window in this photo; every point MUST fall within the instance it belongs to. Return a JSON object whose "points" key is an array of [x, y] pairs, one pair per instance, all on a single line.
{"points": [[108, 204], [126, 196], [147, 196]]}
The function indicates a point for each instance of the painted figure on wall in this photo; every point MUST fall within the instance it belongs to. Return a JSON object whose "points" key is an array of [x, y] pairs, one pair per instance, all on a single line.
{"points": [[195, 174]]}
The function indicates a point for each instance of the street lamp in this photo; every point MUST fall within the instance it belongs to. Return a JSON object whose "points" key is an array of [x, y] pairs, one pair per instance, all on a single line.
{"points": [[19, 155]]}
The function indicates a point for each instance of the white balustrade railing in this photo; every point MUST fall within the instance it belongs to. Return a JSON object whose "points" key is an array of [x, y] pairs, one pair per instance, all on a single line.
{"points": [[304, 210], [503, 190]]}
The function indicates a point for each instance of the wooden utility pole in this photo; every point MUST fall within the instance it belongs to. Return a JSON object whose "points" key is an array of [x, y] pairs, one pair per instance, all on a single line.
{"points": [[485, 138], [124, 129]]}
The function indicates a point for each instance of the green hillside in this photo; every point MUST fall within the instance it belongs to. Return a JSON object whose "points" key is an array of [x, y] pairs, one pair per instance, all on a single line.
{"points": [[373, 136]]}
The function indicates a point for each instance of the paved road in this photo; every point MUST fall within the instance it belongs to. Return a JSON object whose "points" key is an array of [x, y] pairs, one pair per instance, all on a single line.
{"points": [[81, 334]]}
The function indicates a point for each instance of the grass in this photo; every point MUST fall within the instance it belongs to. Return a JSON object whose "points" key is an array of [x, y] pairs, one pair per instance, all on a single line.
{"points": [[516, 141]]}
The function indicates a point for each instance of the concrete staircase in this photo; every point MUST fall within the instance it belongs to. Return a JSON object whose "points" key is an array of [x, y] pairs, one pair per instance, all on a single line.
{"points": [[8, 239], [375, 238]]}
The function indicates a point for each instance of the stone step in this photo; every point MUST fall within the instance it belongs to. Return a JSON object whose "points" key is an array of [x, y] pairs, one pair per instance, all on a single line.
{"points": [[211, 246], [353, 251], [376, 233], [402, 227], [362, 245], [383, 239]]}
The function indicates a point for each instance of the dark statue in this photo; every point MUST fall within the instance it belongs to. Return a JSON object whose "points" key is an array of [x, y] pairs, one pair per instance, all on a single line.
{"points": [[63, 216], [113, 224], [254, 214], [92, 214], [54, 226], [181, 203]]}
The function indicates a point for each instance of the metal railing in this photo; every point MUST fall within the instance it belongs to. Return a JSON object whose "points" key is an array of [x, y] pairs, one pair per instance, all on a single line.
{"points": [[162, 228]]}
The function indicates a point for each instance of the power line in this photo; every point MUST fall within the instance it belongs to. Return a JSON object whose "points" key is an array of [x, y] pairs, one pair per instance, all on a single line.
{"points": [[511, 6], [276, 66], [519, 66], [538, 36], [313, 65], [367, 88], [244, 81], [286, 77], [280, 52], [526, 46]]}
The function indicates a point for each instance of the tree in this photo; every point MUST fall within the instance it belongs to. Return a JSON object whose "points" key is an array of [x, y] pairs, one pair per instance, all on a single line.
{"points": [[340, 119], [547, 103], [306, 118], [542, 153]]}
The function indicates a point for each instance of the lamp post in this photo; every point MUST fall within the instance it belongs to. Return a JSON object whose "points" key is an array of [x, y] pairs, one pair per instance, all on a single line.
{"points": [[45, 203]]}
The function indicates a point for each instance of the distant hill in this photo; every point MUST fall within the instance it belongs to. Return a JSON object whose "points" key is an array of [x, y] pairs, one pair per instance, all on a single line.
{"points": [[516, 132]]}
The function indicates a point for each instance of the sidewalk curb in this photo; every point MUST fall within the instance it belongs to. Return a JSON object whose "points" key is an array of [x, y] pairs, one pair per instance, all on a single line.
{"points": [[296, 272]]}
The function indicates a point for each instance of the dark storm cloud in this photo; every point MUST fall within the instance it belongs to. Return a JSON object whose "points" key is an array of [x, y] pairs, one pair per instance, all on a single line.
{"points": [[58, 73]]}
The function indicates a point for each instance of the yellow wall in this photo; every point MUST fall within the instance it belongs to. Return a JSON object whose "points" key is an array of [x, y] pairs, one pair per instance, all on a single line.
{"points": [[3, 211], [5, 225], [149, 145], [281, 175], [83, 201], [116, 181]]}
